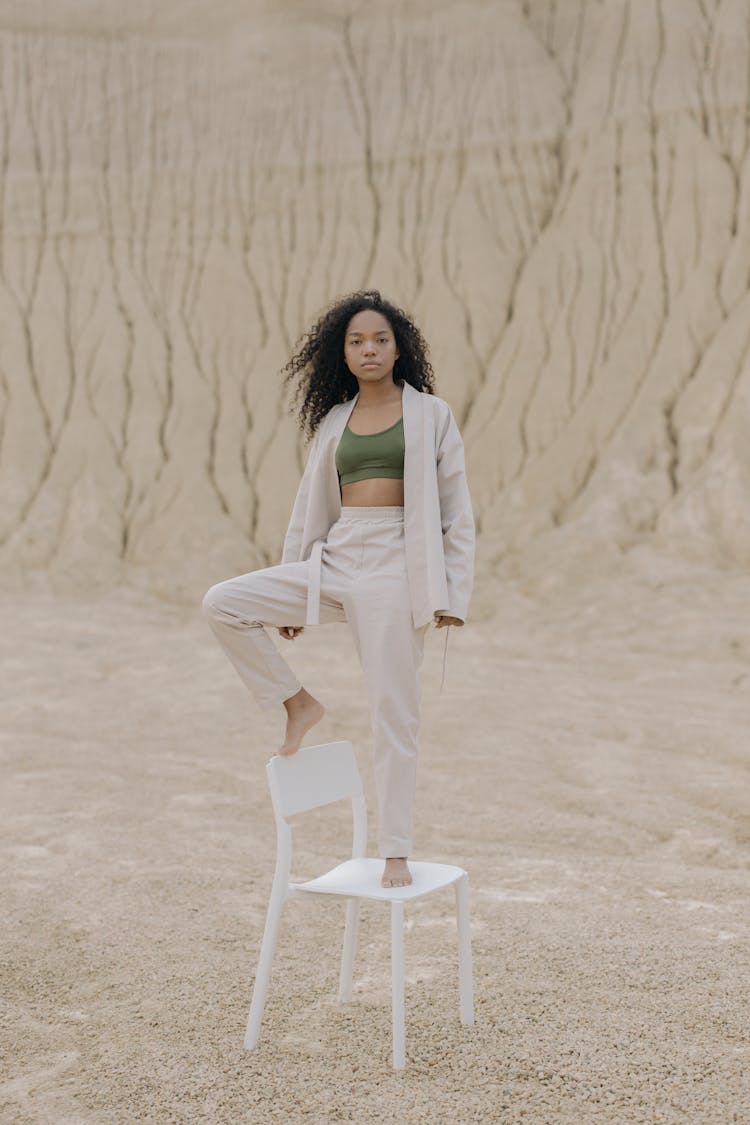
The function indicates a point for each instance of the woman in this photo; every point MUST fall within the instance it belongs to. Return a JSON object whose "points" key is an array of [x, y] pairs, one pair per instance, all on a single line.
{"points": [[381, 536]]}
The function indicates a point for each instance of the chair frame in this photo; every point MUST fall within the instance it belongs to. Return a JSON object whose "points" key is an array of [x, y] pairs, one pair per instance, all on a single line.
{"points": [[350, 787]]}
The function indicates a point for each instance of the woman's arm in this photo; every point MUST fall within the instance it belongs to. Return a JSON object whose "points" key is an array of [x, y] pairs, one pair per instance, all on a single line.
{"points": [[457, 518]]}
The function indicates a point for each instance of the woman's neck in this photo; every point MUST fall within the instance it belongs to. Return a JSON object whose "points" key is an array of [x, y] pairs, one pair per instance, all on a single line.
{"points": [[375, 395]]}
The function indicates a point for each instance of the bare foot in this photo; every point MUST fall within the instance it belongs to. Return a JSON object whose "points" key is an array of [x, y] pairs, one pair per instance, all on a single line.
{"points": [[303, 711], [396, 873]]}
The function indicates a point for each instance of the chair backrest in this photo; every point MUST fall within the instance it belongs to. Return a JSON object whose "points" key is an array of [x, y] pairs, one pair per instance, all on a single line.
{"points": [[314, 776]]}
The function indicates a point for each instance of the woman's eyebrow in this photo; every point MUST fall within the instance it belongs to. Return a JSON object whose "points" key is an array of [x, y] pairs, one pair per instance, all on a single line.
{"points": [[380, 332]]}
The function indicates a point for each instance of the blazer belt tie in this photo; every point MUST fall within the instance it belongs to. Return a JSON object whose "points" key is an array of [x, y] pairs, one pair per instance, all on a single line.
{"points": [[313, 583], [445, 653]]}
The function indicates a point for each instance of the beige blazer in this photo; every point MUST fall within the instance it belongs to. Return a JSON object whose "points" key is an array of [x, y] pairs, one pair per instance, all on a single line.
{"points": [[439, 528]]}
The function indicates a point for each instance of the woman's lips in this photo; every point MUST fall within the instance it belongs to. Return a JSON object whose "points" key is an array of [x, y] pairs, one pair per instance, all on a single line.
{"points": [[371, 365]]}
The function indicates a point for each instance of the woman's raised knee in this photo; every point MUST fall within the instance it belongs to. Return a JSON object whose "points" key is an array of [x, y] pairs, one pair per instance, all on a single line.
{"points": [[215, 598], [232, 597]]}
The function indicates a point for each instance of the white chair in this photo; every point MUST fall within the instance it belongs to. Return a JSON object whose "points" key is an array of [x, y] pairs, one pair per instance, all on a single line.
{"points": [[320, 775]]}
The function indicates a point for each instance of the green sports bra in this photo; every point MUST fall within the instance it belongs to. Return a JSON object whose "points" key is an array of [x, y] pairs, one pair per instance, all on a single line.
{"points": [[359, 456]]}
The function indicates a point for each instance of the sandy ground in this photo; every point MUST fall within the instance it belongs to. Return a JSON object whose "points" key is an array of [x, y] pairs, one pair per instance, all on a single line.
{"points": [[587, 763]]}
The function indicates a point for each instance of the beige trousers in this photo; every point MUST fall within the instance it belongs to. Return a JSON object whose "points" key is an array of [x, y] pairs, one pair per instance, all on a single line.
{"points": [[363, 581]]}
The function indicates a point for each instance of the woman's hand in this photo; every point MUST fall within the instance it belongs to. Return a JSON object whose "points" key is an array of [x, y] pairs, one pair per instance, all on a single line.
{"points": [[442, 619], [289, 632]]}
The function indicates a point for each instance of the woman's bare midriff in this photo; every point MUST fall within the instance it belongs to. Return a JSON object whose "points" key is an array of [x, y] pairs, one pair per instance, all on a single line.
{"points": [[375, 490]]}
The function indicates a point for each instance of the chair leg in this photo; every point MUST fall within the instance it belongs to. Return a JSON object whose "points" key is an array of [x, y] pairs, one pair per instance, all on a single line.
{"points": [[351, 929], [397, 984], [465, 986], [265, 963]]}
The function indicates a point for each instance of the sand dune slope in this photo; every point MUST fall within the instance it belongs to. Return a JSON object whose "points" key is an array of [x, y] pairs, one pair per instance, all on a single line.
{"points": [[557, 192]]}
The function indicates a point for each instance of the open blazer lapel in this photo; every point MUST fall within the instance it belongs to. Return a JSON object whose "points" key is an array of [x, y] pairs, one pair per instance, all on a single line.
{"points": [[439, 528]]}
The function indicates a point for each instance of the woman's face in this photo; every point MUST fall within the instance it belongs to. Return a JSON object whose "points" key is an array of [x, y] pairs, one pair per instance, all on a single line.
{"points": [[370, 347]]}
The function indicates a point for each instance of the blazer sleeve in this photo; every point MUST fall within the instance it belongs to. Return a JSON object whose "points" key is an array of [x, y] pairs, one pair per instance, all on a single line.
{"points": [[293, 538], [457, 518]]}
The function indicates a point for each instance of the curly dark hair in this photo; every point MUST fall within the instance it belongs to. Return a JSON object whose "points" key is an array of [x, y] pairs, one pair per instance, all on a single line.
{"points": [[319, 356]]}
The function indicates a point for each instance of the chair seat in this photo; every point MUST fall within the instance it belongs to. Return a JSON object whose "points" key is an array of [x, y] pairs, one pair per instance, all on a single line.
{"points": [[360, 878]]}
